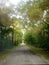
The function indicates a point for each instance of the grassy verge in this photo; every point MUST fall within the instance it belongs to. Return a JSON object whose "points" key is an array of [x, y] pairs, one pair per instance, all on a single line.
{"points": [[40, 52], [7, 52]]}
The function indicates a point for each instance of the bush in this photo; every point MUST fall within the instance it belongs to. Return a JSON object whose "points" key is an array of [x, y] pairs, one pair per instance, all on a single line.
{"points": [[17, 38], [29, 39], [43, 40]]}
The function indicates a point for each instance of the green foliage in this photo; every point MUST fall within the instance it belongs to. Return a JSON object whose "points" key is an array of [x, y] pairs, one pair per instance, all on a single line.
{"points": [[18, 37], [5, 38], [43, 38], [44, 4], [34, 20], [39, 23], [29, 39]]}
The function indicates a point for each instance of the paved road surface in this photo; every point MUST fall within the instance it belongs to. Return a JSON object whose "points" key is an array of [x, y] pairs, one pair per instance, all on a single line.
{"points": [[23, 56]]}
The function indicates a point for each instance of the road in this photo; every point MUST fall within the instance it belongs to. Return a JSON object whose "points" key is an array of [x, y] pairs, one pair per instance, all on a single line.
{"points": [[23, 56]]}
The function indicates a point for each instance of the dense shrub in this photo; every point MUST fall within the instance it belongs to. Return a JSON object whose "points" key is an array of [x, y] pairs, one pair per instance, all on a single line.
{"points": [[18, 39], [40, 39], [43, 39], [29, 39]]}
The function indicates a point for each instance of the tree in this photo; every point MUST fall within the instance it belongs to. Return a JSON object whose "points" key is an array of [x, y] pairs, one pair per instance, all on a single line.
{"points": [[37, 19]]}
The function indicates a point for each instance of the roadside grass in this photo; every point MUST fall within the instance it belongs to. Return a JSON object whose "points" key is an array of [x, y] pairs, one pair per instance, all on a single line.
{"points": [[40, 52], [7, 52]]}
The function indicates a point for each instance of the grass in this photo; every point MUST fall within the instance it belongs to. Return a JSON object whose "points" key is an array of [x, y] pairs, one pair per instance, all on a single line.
{"points": [[7, 52], [40, 52]]}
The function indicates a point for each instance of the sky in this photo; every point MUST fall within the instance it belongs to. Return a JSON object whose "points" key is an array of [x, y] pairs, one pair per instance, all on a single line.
{"points": [[15, 2]]}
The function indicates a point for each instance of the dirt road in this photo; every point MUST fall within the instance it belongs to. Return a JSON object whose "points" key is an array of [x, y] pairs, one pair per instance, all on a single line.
{"points": [[23, 56]]}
